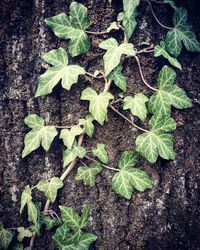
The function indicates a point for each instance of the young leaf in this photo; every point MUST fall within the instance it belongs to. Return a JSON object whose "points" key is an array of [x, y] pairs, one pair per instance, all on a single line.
{"points": [[25, 198], [23, 233], [114, 53], [68, 135], [70, 217], [181, 34], [60, 71], [101, 153], [113, 26], [98, 103], [88, 174], [137, 105], [5, 237], [160, 50], [70, 155], [117, 76], [72, 27], [32, 212], [50, 188], [168, 94], [88, 125], [124, 182], [157, 142], [40, 134], [85, 241]]}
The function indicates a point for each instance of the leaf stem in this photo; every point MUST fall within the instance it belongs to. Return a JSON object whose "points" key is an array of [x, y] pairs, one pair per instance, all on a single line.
{"points": [[123, 116], [93, 76], [162, 25], [142, 76], [61, 126], [105, 166], [146, 50]]}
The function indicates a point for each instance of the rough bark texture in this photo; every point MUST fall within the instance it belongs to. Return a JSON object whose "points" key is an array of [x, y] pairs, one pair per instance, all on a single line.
{"points": [[166, 217]]}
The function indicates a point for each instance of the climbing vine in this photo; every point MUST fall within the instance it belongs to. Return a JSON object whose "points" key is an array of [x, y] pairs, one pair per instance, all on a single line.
{"points": [[153, 141]]}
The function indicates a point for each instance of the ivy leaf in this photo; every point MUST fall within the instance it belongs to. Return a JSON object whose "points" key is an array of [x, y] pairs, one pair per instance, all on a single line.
{"points": [[101, 153], [181, 34], [32, 212], [168, 94], [113, 26], [70, 217], [18, 246], [117, 76], [137, 105], [6, 237], [88, 125], [129, 17], [72, 27], [88, 174], [128, 178], [50, 222], [160, 50], [85, 216], [114, 53], [68, 135], [70, 155], [86, 240], [98, 103], [25, 198], [157, 142], [50, 189], [60, 71], [73, 238], [40, 134], [60, 235], [23, 233]]}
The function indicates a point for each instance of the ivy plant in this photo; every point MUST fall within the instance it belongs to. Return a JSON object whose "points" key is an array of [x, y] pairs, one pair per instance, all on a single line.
{"points": [[148, 111]]}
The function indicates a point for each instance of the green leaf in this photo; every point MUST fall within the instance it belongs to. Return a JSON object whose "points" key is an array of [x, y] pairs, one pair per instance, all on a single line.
{"points": [[117, 76], [32, 212], [50, 188], [60, 71], [113, 26], [85, 216], [114, 53], [23, 233], [18, 246], [50, 222], [88, 125], [98, 103], [168, 94], [101, 153], [6, 237], [128, 178], [73, 238], [60, 235], [70, 155], [72, 27], [68, 135], [88, 174], [70, 217], [181, 34], [129, 18], [25, 198], [157, 142], [160, 50], [39, 134], [137, 105], [86, 240]]}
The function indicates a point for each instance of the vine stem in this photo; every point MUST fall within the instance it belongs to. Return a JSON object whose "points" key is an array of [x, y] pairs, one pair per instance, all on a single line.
{"points": [[93, 76], [142, 76], [146, 50], [96, 32], [105, 166], [162, 25], [123, 116]]}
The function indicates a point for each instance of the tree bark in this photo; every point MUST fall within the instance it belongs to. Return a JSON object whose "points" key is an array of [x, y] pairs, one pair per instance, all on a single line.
{"points": [[166, 217]]}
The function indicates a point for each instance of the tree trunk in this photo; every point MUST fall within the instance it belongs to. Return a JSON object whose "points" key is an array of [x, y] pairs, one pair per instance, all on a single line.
{"points": [[166, 217]]}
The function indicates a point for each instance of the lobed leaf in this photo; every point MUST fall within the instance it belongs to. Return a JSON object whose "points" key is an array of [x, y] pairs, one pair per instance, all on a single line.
{"points": [[6, 237], [70, 155], [137, 105], [117, 76], [101, 153], [23, 233], [88, 125], [68, 135]]}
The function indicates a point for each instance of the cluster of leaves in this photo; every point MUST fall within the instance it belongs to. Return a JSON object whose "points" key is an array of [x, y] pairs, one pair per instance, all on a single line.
{"points": [[154, 110]]}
